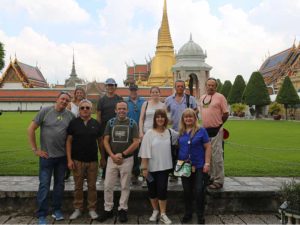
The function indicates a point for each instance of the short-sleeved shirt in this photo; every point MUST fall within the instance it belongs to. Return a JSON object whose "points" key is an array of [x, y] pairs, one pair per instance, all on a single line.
{"points": [[157, 148], [176, 108], [212, 108], [107, 107], [197, 151], [84, 139], [53, 130], [122, 133], [134, 108]]}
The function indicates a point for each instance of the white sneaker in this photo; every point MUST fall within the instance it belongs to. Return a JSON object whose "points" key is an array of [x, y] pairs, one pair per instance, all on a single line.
{"points": [[93, 214], [165, 219], [154, 216], [75, 214]]}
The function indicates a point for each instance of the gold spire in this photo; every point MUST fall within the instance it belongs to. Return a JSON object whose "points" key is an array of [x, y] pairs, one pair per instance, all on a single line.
{"points": [[164, 59], [164, 35]]}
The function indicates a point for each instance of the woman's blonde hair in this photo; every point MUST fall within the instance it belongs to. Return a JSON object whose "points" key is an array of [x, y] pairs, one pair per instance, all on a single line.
{"points": [[182, 126]]}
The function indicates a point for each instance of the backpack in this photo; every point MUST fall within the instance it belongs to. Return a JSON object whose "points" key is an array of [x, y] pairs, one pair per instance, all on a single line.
{"points": [[187, 100], [113, 120]]}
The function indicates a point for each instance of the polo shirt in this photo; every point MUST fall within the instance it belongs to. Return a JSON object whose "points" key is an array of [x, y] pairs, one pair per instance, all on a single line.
{"points": [[176, 108], [84, 142], [196, 151]]}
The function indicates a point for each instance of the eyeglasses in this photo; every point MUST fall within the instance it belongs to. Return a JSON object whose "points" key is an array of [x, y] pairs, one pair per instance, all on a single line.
{"points": [[85, 107]]}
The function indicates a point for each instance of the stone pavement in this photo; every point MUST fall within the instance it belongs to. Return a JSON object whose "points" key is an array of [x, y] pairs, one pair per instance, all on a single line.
{"points": [[242, 200], [143, 219]]}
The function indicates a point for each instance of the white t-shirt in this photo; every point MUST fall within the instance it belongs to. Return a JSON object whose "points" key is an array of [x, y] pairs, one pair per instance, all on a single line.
{"points": [[157, 148], [75, 109], [148, 123]]}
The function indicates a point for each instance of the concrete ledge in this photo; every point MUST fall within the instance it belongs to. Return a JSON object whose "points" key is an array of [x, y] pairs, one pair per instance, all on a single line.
{"points": [[239, 195]]}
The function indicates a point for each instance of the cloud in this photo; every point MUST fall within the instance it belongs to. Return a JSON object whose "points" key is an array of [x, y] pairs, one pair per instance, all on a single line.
{"points": [[54, 11], [236, 40], [54, 60]]}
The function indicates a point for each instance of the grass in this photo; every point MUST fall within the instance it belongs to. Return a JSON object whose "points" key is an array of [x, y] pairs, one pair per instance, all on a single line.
{"points": [[254, 148]]}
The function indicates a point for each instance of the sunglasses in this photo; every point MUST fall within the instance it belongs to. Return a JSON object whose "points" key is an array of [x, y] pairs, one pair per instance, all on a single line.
{"points": [[85, 107]]}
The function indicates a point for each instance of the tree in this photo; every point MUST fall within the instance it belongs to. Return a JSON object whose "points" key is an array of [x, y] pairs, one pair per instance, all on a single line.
{"points": [[287, 94], [226, 88], [220, 85], [256, 93], [237, 90], [2, 55]]}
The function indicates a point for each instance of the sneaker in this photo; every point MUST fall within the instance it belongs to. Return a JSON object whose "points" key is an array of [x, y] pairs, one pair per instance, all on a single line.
{"points": [[154, 216], [165, 219], [106, 215], [75, 214], [144, 184], [42, 220], [93, 214], [57, 215], [122, 216]]}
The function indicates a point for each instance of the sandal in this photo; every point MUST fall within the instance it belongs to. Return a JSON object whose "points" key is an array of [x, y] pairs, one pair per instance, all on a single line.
{"points": [[215, 186]]}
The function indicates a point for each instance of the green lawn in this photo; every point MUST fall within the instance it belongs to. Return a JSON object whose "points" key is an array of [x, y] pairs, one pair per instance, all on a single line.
{"points": [[255, 148]]}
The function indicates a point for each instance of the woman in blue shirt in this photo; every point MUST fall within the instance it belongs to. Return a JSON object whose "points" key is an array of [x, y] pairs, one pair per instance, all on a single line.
{"points": [[194, 145]]}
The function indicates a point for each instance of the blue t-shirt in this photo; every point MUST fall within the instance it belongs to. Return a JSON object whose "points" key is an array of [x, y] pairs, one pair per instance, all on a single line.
{"points": [[134, 109], [197, 151]]}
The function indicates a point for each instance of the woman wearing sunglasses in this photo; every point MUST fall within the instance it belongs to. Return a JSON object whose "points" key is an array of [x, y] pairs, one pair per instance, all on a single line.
{"points": [[82, 153]]}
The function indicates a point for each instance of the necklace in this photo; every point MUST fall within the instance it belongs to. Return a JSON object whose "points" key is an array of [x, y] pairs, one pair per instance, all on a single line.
{"points": [[206, 104]]}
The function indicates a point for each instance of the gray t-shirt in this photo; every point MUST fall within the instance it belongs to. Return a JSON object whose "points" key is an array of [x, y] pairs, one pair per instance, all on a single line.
{"points": [[122, 133], [53, 128]]}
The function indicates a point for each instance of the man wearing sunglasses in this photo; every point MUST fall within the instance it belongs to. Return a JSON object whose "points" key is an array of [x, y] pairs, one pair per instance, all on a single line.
{"points": [[53, 121], [82, 153], [135, 103], [106, 110], [214, 113]]}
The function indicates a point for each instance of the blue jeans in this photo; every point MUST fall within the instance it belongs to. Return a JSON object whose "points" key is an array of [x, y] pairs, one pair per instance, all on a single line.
{"points": [[58, 167], [194, 188]]}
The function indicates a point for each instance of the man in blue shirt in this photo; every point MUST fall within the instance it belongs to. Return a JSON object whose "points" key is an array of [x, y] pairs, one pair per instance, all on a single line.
{"points": [[178, 102], [135, 103]]}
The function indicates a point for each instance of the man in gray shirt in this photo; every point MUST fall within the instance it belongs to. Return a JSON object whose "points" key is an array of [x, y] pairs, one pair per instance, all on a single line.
{"points": [[53, 122]]}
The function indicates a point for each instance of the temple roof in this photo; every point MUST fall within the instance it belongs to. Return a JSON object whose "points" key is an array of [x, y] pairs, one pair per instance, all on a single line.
{"points": [[190, 49], [274, 61], [29, 76]]}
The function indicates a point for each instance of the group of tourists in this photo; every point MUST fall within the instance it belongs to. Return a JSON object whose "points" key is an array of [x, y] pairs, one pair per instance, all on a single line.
{"points": [[132, 138]]}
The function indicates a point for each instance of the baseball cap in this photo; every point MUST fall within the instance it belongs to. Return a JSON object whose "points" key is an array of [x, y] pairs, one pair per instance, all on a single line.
{"points": [[110, 81], [133, 87]]}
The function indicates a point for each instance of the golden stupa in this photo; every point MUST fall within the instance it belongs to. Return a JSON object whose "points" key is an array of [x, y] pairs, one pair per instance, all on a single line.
{"points": [[161, 65]]}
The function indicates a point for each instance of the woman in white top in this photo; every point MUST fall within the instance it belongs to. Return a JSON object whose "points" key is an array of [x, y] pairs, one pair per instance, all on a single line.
{"points": [[148, 110], [73, 106], [156, 163]]}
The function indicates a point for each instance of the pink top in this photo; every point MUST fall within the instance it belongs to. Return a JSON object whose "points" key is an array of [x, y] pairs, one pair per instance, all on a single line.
{"points": [[212, 108]]}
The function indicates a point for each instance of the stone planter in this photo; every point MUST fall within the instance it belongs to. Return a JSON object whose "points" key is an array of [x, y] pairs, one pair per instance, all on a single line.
{"points": [[276, 117]]}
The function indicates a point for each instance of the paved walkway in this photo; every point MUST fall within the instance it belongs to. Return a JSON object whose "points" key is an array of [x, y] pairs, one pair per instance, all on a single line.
{"points": [[26, 186], [30, 183], [143, 219]]}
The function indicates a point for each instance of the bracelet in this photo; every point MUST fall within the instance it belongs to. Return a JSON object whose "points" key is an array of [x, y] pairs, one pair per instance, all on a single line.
{"points": [[34, 150], [206, 164], [142, 169]]}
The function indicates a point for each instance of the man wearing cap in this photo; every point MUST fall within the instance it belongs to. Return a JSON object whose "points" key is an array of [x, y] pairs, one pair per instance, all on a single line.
{"points": [[53, 121], [106, 110], [135, 103], [214, 113]]}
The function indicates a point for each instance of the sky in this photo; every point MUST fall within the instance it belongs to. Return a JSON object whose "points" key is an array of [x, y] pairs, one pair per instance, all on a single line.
{"points": [[108, 34]]}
